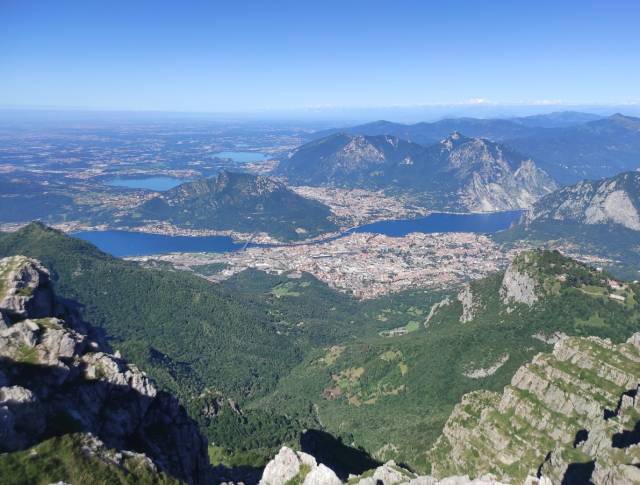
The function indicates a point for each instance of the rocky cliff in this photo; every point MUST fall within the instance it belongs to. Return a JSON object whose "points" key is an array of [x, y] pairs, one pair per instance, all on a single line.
{"points": [[58, 377], [571, 416], [459, 172], [491, 177], [518, 284], [614, 200]]}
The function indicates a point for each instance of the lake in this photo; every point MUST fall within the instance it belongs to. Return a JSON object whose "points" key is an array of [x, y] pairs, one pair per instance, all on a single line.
{"points": [[129, 243], [152, 183], [441, 222], [243, 157]]}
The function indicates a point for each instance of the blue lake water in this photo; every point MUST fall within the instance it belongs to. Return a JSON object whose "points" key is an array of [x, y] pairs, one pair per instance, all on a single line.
{"points": [[151, 183], [440, 222], [243, 157], [128, 243]]}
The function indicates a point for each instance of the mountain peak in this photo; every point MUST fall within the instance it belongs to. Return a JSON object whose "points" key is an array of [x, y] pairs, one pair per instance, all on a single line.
{"points": [[241, 202], [624, 121], [455, 139]]}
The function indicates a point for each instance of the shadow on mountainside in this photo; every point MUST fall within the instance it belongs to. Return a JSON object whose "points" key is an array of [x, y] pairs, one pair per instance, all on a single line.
{"points": [[332, 452], [53, 401]]}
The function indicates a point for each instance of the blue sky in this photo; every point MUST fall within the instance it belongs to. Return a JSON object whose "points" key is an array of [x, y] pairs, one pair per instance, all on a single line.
{"points": [[217, 56]]}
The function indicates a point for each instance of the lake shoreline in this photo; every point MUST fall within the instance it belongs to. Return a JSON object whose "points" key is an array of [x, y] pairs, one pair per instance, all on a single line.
{"points": [[123, 242]]}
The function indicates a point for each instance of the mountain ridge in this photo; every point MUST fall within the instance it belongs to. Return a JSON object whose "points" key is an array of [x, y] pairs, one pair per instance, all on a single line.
{"points": [[599, 218], [241, 202], [587, 147], [614, 200], [456, 173]]}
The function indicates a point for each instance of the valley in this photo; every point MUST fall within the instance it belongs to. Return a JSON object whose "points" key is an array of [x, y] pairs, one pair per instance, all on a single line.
{"points": [[341, 363]]}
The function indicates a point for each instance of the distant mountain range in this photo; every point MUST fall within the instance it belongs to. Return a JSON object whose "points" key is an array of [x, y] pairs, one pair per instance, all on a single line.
{"points": [[458, 173], [493, 128], [239, 202], [570, 146]]}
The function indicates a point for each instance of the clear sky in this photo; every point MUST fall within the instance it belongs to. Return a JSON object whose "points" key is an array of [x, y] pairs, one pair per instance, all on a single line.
{"points": [[225, 56]]}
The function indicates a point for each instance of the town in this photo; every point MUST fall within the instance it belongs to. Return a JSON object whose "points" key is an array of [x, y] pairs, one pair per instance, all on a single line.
{"points": [[367, 265]]}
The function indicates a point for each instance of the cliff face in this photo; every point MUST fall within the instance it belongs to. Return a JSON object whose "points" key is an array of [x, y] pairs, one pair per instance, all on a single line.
{"points": [[518, 286], [490, 177], [58, 377], [607, 201], [459, 172], [565, 415]]}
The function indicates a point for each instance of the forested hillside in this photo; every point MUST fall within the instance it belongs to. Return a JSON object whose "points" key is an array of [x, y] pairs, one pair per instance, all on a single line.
{"points": [[393, 395], [233, 341], [239, 202]]}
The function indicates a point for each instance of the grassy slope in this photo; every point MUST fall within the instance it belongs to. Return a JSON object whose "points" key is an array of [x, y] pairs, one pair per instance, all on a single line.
{"points": [[62, 460], [399, 391]]}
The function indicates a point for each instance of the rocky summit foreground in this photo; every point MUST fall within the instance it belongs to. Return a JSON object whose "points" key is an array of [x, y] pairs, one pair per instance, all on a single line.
{"points": [[64, 396]]}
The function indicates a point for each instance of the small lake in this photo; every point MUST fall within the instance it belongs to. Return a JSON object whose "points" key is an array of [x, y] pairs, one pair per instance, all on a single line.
{"points": [[152, 183], [243, 157], [130, 243]]}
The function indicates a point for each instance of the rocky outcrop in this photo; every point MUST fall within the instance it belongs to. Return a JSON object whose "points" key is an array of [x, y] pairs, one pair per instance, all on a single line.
{"points": [[296, 467], [25, 288], [607, 201], [57, 377], [289, 465], [559, 419], [435, 308], [469, 307], [518, 286], [481, 373]]}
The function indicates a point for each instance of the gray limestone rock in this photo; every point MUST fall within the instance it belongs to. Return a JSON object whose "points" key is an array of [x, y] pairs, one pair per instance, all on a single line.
{"points": [[285, 466], [25, 290], [321, 475], [53, 381], [465, 297], [518, 286]]}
